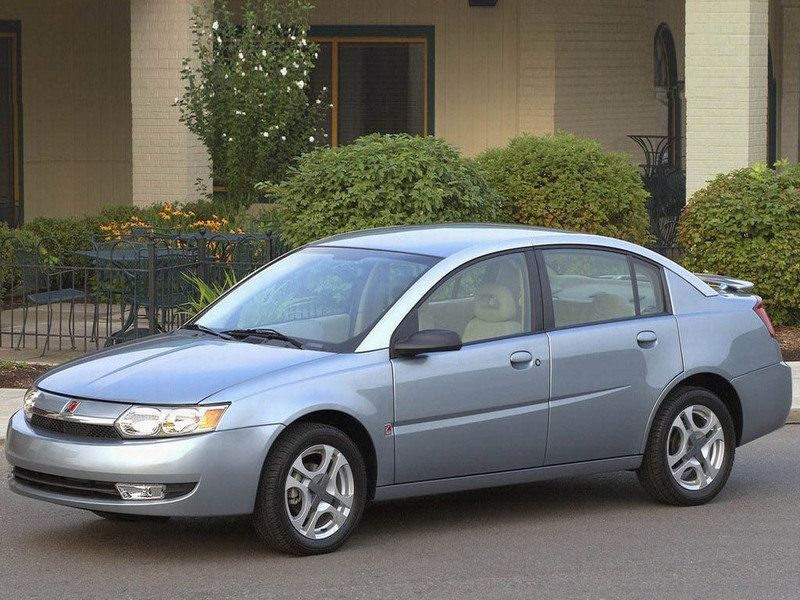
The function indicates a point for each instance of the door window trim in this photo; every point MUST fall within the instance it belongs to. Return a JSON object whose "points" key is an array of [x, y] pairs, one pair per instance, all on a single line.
{"points": [[547, 296], [537, 315]]}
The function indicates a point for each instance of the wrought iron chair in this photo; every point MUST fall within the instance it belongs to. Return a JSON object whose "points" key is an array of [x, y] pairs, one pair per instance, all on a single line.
{"points": [[43, 284]]}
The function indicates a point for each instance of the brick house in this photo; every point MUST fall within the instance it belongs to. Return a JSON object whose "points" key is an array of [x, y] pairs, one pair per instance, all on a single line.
{"points": [[87, 86]]}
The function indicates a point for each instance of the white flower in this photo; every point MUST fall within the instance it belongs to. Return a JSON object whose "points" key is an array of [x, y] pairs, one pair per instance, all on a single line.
{"points": [[295, 65], [265, 134], [293, 38], [319, 101], [263, 53], [303, 42], [215, 25], [311, 139], [288, 89], [284, 71], [241, 56], [301, 84], [283, 138], [230, 139], [219, 40], [324, 88], [316, 54]]}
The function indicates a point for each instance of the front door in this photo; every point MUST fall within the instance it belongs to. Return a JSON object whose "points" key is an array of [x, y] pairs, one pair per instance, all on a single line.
{"points": [[614, 348], [10, 180], [483, 408]]}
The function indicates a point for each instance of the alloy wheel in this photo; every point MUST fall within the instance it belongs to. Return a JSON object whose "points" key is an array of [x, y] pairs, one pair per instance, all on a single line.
{"points": [[319, 491], [695, 447]]}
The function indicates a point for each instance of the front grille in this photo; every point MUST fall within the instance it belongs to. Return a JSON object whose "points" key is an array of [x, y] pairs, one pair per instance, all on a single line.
{"points": [[74, 428], [85, 488]]}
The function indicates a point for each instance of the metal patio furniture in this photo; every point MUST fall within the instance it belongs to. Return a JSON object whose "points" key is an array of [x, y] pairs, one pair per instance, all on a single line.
{"points": [[43, 284]]}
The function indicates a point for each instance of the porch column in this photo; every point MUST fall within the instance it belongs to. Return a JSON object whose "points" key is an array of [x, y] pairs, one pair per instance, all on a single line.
{"points": [[789, 86], [167, 160], [726, 87]]}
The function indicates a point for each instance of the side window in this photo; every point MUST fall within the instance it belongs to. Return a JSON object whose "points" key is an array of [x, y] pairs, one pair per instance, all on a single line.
{"points": [[588, 286], [650, 287], [487, 300]]}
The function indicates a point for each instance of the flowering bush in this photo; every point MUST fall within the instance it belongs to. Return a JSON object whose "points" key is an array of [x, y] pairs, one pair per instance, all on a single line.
{"points": [[163, 216], [246, 91]]}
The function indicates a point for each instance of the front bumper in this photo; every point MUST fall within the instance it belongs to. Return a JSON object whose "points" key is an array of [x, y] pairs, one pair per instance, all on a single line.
{"points": [[226, 466]]}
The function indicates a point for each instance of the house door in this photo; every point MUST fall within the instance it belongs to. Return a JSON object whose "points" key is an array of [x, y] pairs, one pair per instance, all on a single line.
{"points": [[10, 159]]}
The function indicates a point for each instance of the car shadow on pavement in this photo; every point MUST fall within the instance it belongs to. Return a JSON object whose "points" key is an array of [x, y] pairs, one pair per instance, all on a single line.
{"points": [[214, 538]]}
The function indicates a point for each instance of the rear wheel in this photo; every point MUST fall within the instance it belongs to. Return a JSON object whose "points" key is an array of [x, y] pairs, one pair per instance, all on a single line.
{"points": [[312, 492], [689, 454]]}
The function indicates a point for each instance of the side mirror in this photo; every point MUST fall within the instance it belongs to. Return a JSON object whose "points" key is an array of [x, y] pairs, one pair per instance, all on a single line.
{"points": [[428, 340]]}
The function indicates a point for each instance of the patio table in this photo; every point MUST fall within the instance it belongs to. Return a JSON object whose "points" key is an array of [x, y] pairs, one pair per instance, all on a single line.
{"points": [[132, 264]]}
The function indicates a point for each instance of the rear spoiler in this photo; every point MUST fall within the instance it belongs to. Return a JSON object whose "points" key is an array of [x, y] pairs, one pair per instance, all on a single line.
{"points": [[726, 284]]}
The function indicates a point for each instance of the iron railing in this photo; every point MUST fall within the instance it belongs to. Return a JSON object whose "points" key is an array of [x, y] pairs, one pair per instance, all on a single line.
{"points": [[117, 290]]}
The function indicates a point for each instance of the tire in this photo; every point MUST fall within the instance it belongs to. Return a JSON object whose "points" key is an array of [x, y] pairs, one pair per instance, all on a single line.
{"points": [[285, 508], [128, 518], [701, 460]]}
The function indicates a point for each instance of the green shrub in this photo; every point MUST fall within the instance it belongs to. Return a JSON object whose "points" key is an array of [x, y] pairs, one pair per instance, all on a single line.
{"points": [[381, 180], [747, 224], [63, 236], [567, 182]]}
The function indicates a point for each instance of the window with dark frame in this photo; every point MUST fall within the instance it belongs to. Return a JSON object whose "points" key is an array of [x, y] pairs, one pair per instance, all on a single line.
{"points": [[375, 83]]}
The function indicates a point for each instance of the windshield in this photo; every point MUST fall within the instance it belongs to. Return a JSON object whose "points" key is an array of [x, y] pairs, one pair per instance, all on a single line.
{"points": [[327, 297]]}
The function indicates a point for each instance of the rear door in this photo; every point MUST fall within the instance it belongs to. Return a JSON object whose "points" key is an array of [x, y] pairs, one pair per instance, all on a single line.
{"points": [[614, 347]]}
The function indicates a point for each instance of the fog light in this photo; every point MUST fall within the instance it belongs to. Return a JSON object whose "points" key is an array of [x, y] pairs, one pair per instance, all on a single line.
{"points": [[141, 491]]}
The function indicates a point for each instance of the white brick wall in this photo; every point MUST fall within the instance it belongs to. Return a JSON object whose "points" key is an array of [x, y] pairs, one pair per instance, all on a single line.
{"points": [[726, 86], [166, 158]]}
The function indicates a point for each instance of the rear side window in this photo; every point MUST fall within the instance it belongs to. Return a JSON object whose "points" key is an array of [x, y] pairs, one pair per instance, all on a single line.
{"points": [[650, 288], [592, 286], [588, 286]]}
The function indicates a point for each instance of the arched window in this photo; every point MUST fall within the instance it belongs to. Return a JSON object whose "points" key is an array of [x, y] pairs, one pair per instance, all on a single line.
{"points": [[665, 79]]}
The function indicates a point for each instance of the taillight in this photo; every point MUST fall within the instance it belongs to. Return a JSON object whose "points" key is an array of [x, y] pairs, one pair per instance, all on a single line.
{"points": [[762, 314]]}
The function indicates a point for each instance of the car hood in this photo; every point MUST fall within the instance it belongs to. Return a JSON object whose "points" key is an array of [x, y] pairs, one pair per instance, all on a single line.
{"points": [[170, 369]]}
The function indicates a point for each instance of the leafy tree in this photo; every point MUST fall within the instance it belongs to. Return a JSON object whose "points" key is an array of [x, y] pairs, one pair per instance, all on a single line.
{"points": [[246, 91]]}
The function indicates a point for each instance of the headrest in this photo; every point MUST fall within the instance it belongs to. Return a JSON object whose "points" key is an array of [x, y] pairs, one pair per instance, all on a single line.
{"points": [[494, 303]]}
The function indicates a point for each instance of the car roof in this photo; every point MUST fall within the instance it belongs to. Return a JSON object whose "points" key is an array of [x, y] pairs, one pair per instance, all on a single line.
{"points": [[441, 240]]}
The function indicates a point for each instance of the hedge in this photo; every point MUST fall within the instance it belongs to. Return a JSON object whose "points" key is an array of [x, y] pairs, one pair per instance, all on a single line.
{"points": [[568, 182], [746, 224], [382, 180]]}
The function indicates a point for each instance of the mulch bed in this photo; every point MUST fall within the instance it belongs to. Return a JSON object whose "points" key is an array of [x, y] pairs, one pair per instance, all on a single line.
{"points": [[20, 375], [789, 338]]}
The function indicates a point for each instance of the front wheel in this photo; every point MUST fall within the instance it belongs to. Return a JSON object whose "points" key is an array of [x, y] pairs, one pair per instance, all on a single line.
{"points": [[689, 453], [312, 492]]}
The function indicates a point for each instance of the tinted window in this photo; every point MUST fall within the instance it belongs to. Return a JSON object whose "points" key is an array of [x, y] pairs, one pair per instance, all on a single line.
{"points": [[588, 286], [487, 300], [650, 287]]}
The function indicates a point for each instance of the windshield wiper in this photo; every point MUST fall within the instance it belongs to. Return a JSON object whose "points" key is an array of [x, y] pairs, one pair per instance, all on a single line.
{"points": [[269, 334], [204, 329]]}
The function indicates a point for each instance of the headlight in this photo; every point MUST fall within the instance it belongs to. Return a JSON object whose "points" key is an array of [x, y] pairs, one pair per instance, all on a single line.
{"points": [[29, 401], [168, 421]]}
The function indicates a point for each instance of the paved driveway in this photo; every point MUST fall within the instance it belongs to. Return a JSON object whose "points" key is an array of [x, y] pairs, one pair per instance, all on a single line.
{"points": [[588, 537]]}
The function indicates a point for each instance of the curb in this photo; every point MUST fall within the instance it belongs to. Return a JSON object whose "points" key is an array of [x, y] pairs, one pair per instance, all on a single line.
{"points": [[794, 416]]}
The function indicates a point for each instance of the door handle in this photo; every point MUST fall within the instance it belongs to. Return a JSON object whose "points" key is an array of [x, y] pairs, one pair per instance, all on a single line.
{"points": [[521, 359], [646, 339]]}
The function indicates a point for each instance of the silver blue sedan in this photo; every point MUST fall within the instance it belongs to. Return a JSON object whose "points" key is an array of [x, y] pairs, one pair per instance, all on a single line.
{"points": [[417, 360]]}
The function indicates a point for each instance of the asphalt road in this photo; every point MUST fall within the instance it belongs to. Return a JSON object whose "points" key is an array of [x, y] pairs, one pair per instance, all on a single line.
{"points": [[587, 537]]}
